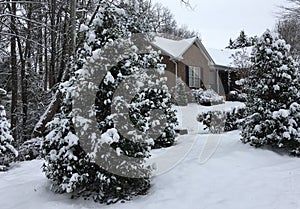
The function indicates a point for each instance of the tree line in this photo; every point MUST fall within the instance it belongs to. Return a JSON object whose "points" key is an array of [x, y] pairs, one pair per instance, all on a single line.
{"points": [[39, 40]]}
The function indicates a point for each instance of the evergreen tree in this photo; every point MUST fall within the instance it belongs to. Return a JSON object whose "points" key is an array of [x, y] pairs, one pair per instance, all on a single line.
{"points": [[273, 96], [108, 166], [231, 44], [7, 151], [241, 41]]}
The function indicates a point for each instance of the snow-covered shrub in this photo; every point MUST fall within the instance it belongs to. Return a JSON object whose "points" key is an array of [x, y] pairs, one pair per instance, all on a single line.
{"points": [[273, 96], [163, 122], [180, 93], [222, 121], [7, 151], [213, 120], [31, 149], [107, 164], [207, 97], [236, 96], [234, 119]]}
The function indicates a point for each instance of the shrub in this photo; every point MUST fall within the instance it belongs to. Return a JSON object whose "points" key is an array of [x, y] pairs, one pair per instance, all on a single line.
{"points": [[236, 96], [31, 149], [222, 121], [273, 96], [7, 151], [207, 97], [180, 94]]}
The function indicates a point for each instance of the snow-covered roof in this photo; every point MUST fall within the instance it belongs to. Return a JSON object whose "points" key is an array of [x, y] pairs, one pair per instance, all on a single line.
{"points": [[173, 48], [176, 48], [223, 57]]}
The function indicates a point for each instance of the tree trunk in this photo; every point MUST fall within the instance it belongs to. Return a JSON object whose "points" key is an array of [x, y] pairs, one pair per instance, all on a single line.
{"points": [[14, 72], [53, 44]]}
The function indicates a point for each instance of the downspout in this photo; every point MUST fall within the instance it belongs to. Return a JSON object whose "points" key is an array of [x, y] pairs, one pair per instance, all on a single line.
{"points": [[218, 81], [176, 72]]}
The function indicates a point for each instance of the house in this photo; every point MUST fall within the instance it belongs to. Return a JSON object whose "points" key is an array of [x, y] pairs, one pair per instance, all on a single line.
{"points": [[198, 67]]}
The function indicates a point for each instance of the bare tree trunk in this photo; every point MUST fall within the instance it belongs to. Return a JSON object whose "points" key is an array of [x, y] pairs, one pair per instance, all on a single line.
{"points": [[24, 74], [73, 27], [46, 79], [14, 72], [53, 45], [39, 129]]}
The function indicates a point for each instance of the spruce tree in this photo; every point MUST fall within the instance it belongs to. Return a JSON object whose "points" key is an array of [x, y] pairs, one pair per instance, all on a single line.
{"points": [[273, 96]]}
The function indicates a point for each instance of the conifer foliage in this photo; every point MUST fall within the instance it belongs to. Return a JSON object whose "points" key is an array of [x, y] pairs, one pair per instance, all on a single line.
{"points": [[112, 169], [273, 107], [7, 150], [241, 41]]}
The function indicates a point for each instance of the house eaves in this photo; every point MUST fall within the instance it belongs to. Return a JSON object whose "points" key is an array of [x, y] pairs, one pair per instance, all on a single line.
{"points": [[176, 49]]}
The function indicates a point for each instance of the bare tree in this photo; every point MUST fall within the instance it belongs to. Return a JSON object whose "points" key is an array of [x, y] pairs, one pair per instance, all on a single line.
{"points": [[288, 26], [291, 11]]}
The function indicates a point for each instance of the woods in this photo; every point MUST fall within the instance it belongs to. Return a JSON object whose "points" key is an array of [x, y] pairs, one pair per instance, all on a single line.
{"points": [[39, 40]]}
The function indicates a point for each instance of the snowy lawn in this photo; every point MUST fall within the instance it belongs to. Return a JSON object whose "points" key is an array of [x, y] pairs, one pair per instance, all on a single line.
{"points": [[235, 176]]}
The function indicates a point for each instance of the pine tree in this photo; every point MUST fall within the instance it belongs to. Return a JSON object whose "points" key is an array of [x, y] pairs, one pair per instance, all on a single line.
{"points": [[241, 41], [273, 96], [7, 151]]}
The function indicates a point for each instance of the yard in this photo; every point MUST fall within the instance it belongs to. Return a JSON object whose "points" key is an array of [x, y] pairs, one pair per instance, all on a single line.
{"points": [[202, 171]]}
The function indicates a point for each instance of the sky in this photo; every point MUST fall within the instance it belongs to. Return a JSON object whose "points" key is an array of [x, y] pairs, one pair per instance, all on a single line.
{"points": [[219, 20]]}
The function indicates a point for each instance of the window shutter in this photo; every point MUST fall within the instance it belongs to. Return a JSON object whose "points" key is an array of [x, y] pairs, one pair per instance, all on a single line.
{"points": [[187, 75]]}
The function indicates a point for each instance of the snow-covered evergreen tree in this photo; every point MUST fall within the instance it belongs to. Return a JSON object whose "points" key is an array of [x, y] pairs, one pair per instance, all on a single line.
{"points": [[273, 96], [108, 166], [241, 41], [7, 150]]}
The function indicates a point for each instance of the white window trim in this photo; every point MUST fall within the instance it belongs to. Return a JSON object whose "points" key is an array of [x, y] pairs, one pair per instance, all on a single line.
{"points": [[193, 78]]}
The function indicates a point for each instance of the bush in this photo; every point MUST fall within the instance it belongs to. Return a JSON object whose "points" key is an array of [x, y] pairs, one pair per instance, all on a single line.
{"points": [[221, 121], [236, 96], [180, 94], [7, 151], [31, 149], [207, 97], [272, 105]]}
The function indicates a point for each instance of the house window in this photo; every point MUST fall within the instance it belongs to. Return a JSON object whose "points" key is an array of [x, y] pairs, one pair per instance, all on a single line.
{"points": [[195, 76]]}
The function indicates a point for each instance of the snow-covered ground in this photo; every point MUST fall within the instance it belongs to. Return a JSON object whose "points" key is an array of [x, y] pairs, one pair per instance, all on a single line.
{"points": [[230, 175]]}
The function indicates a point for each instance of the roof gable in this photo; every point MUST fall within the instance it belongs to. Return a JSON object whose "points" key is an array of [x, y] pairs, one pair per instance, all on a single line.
{"points": [[176, 49]]}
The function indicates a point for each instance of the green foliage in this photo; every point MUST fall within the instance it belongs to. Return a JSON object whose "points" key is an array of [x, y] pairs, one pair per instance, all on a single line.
{"points": [[222, 121], [7, 150], [273, 96]]}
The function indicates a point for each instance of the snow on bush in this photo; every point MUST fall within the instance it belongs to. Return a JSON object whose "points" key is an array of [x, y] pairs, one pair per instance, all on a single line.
{"points": [[180, 94], [7, 151], [104, 173], [220, 121], [273, 96], [207, 97], [237, 96], [31, 149]]}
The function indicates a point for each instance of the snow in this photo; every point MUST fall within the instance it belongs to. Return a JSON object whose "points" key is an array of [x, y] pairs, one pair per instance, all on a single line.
{"points": [[83, 28], [173, 48], [232, 175], [223, 57], [3, 92], [187, 115]]}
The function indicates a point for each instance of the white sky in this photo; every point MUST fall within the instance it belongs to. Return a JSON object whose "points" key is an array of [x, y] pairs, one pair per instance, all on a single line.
{"points": [[219, 20]]}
